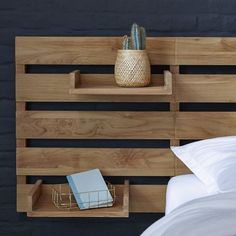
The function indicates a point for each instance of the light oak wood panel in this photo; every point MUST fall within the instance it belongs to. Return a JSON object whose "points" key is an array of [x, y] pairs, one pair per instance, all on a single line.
{"points": [[147, 198], [86, 50], [20, 106], [55, 87], [111, 161], [202, 125], [45, 208], [94, 125], [143, 198], [78, 87], [206, 88], [205, 51], [174, 107], [162, 50], [34, 195]]}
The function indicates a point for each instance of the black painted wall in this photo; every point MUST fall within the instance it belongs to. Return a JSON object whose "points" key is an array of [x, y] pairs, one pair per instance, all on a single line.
{"points": [[87, 18]]}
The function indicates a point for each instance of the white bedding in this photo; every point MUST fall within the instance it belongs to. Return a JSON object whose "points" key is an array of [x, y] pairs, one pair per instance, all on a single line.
{"points": [[183, 188], [213, 215]]}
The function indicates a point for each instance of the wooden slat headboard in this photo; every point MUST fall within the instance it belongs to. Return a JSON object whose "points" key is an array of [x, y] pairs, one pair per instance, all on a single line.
{"points": [[173, 125]]}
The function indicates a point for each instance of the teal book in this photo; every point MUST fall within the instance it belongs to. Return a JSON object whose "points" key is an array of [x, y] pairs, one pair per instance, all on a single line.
{"points": [[89, 189]]}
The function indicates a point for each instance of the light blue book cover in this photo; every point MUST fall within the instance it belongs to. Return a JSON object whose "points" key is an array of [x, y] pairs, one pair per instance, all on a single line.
{"points": [[90, 189]]}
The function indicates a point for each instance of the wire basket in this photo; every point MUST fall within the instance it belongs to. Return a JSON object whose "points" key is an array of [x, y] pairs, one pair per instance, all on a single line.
{"points": [[63, 198]]}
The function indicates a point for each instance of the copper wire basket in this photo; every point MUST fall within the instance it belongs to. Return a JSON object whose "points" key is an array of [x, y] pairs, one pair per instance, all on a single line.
{"points": [[64, 199]]}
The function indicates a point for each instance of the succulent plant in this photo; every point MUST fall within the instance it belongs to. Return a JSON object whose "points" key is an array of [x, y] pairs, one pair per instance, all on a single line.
{"points": [[126, 42], [137, 41], [143, 38]]}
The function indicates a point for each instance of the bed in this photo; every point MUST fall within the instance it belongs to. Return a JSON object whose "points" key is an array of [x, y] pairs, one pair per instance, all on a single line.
{"points": [[210, 215], [182, 189], [202, 203]]}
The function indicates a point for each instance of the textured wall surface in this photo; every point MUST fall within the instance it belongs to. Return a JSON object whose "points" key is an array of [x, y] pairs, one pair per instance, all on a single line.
{"points": [[81, 18]]}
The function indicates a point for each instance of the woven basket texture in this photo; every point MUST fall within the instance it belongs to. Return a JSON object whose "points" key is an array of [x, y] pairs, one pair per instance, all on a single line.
{"points": [[132, 68]]}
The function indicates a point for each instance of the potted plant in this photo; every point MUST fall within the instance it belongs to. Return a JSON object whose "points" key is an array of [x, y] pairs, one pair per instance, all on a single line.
{"points": [[132, 67]]}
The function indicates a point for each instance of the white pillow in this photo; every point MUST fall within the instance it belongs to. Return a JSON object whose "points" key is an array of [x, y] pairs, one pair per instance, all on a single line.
{"points": [[213, 161]]}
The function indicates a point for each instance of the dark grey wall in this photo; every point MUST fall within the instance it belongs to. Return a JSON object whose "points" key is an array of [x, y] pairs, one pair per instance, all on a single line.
{"points": [[95, 18]]}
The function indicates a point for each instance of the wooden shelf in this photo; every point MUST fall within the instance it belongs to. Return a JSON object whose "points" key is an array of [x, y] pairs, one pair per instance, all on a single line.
{"points": [[80, 87], [39, 204]]}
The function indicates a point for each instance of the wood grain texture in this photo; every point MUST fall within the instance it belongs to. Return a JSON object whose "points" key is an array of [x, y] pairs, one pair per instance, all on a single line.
{"points": [[86, 50], [111, 88], [206, 88], [143, 198], [189, 88], [111, 161], [147, 198], [162, 50], [74, 79], [20, 106], [173, 125], [126, 198], [203, 125], [205, 51], [20, 68], [44, 206], [55, 87], [174, 107], [93, 125], [98, 89], [34, 195]]}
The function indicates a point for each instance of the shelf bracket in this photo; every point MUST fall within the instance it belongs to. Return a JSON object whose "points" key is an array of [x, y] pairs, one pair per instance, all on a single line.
{"points": [[74, 80], [34, 195]]}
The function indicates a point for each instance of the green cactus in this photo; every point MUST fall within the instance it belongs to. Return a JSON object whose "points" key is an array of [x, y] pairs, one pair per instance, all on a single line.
{"points": [[126, 42], [135, 37], [143, 38], [137, 41]]}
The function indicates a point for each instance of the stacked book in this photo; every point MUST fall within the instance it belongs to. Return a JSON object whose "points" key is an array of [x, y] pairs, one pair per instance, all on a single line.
{"points": [[90, 190]]}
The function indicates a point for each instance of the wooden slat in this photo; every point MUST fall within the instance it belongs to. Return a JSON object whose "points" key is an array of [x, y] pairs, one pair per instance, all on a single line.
{"points": [[94, 124], [126, 198], [174, 107], [102, 50], [205, 51], [202, 125], [206, 88], [143, 198], [55, 87], [20, 106], [86, 50], [20, 69], [147, 198], [111, 161]]}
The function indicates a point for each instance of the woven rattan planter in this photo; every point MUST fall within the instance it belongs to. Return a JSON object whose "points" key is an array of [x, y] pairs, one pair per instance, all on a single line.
{"points": [[132, 68]]}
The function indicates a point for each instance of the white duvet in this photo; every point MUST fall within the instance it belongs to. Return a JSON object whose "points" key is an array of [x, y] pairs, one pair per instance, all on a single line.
{"points": [[211, 216]]}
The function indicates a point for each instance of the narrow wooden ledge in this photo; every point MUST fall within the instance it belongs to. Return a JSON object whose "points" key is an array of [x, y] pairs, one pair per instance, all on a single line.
{"points": [[77, 86], [40, 204]]}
